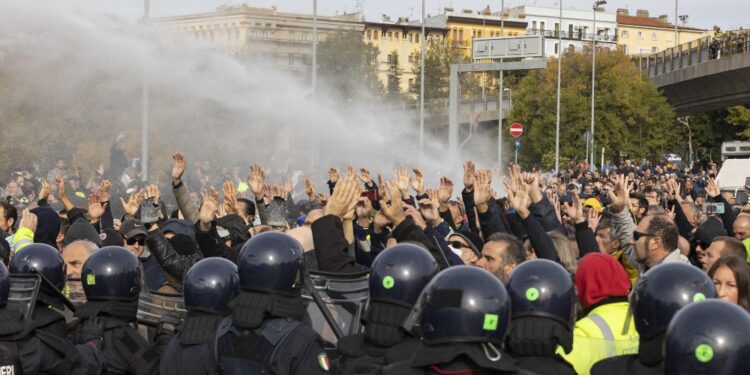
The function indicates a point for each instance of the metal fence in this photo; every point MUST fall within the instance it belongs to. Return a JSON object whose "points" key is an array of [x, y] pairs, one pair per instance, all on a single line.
{"points": [[696, 52]]}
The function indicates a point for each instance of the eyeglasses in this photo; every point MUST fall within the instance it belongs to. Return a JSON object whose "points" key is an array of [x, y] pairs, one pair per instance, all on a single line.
{"points": [[131, 241], [637, 235], [458, 244]]}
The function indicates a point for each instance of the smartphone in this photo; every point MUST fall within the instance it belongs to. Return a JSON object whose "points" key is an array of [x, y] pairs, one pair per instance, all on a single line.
{"points": [[714, 208], [149, 211]]}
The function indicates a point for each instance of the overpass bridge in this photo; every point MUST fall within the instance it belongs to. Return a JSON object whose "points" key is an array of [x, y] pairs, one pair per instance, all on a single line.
{"points": [[703, 75]]}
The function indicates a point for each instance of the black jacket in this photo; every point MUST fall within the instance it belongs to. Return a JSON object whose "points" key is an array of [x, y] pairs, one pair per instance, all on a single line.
{"points": [[172, 262], [458, 358], [625, 365]]}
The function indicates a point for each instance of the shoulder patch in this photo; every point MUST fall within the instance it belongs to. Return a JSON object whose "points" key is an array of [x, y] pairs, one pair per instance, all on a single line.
{"points": [[323, 362]]}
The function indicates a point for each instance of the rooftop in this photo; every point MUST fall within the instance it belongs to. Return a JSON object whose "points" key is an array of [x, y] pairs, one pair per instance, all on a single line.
{"points": [[655, 22]]}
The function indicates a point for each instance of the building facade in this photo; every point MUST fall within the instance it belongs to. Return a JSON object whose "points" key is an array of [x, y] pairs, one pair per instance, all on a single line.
{"points": [[577, 29], [461, 28], [399, 43], [261, 35], [640, 34]]}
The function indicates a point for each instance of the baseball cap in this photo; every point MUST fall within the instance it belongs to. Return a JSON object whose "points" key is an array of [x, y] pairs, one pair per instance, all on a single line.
{"points": [[131, 228]]}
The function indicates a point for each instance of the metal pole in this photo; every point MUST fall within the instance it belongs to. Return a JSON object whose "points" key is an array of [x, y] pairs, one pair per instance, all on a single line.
{"points": [[144, 108], [421, 86], [559, 75], [500, 96], [676, 35], [453, 102], [315, 47], [593, 85]]}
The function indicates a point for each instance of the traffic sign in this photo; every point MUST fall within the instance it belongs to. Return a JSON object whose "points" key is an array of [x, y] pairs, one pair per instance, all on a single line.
{"points": [[516, 129]]}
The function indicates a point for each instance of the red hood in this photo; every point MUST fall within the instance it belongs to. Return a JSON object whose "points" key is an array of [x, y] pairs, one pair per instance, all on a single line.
{"points": [[600, 276]]}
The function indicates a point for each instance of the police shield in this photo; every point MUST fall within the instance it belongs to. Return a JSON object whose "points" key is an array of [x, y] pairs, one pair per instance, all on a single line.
{"points": [[152, 306], [344, 296]]}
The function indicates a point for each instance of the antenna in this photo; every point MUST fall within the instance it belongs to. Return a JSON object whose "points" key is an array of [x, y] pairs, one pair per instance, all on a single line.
{"points": [[683, 18]]}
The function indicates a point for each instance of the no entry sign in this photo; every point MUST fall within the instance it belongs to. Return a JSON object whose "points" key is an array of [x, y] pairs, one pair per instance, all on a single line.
{"points": [[516, 129]]}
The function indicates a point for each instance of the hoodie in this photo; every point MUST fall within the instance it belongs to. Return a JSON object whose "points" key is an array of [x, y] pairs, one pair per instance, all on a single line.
{"points": [[599, 277], [47, 227]]}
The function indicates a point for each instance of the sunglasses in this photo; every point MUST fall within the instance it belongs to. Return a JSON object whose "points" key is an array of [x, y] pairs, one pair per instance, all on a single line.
{"points": [[132, 241], [458, 245], [637, 235]]}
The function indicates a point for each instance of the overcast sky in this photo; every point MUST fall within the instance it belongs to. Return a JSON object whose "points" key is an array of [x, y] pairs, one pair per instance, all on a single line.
{"points": [[729, 14]]}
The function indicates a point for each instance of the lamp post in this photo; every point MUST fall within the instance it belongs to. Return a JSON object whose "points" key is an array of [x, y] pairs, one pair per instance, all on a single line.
{"points": [[500, 129], [593, 81], [421, 87], [144, 108], [559, 75]]}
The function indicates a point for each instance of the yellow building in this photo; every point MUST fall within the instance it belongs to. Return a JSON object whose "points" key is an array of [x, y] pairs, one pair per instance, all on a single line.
{"points": [[467, 25], [399, 42], [261, 35], [643, 35]]}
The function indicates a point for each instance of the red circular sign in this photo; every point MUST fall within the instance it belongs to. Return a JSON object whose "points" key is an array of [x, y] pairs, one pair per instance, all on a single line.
{"points": [[516, 129]]}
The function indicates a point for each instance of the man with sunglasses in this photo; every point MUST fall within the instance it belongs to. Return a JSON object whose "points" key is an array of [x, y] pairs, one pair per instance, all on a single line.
{"points": [[134, 235], [655, 239]]}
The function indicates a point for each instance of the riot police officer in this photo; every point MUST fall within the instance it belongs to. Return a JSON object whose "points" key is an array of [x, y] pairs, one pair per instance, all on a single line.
{"points": [[397, 277], [464, 314], [34, 341], [710, 337], [543, 298], [112, 279], [209, 286], [264, 335], [658, 296]]}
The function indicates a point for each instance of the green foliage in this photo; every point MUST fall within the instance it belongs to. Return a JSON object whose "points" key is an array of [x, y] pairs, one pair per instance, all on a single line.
{"points": [[631, 115], [439, 56], [739, 116], [393, 87], [348, 66]]}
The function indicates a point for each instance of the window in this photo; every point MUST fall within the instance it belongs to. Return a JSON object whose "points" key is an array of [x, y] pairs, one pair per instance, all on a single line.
{"points": [[556, 48], [375, 34], [653, 36], [625, 49], [396, 35], [654, 50], [640, 35], [368, 34], [624, 33], [533, 25], [390, 35], [541, 26], [461, 35], [416, 38], [455, 35], [411, 37], [411, 84]]}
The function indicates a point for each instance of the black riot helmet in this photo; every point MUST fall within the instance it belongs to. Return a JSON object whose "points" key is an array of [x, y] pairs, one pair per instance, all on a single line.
{"points": [[111, 273], [399, 273], [41, 259], [464, 304], [271, 262], [664, 290], [210, 284], [711, 337], [4, 285], [543, 288]]}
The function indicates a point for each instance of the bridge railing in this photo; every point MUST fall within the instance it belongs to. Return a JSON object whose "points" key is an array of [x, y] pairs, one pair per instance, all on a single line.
{"points": [[696, 52]]}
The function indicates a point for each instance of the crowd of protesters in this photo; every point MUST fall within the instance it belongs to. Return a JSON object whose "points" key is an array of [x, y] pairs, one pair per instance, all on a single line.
{"points": [[639, 215]]}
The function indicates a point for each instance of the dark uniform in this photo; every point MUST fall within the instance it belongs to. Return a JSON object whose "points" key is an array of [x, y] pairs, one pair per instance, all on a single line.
{"points": [[658, 296], [264, 334], [209, 286], [112, 282], [397, 277], [710, 337], [463, 314], [543, 299], [35, 341]]}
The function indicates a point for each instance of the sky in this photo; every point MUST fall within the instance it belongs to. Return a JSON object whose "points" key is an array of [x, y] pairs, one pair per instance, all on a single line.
{"points": [[728, 14]]}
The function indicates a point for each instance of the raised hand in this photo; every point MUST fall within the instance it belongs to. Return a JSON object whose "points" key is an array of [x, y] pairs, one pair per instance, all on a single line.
{"points": [[593, 218], [333, 175], [469, 175], [445, 192], [417, 183], [364, 176], [28, 220], [230, 198], [44, 190], [414, 214], [104, 191], [482, 192], [96, 208], [178, 167], [712, 188], [288, 187], [532, 181], [575, 210], [345, 192], [209, 209], [391, 206], [619, 193], [381, 187], [134, 202], [256, 181], [429, 209], [402, 181], [61, 189], [309, 189]]}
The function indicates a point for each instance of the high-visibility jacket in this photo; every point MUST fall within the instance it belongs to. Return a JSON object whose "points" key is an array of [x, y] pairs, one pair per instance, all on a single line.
{"points": [[600, 335]]}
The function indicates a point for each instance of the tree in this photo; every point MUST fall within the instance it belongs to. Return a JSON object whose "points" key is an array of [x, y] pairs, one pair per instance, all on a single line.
{"points": [[393, 88], [348, 66], [739, 116], [631, 115], [439, 56]]}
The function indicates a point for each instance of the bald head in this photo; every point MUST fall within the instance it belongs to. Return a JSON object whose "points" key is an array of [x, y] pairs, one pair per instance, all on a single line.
{"points": [[742, 226]]}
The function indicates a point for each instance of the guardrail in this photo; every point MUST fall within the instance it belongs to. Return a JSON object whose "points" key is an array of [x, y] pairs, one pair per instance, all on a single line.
{"points": [[696, 52]]}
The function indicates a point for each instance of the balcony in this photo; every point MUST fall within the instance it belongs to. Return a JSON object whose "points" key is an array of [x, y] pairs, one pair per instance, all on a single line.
{"points": [[576, 35]]}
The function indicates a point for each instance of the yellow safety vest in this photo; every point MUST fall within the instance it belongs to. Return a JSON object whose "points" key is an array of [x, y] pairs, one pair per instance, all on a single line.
{"points": [[600, 335]]}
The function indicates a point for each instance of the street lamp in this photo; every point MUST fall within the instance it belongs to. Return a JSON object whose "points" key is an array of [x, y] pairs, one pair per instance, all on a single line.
{"points": [[593, 80], [559, 73]]}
